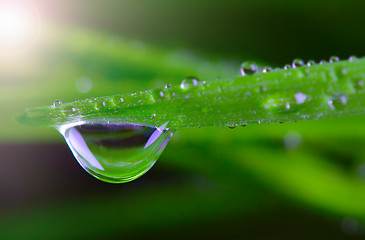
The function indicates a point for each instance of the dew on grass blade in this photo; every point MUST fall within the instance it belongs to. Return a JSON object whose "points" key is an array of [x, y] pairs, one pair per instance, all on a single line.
{"points": [[115, 152], [248, 68]]}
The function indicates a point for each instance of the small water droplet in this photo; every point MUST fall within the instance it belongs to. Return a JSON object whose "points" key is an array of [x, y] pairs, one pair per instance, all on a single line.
{"points": [[300, 98], [310, 63], [267, 69], [121, 99], [57, 103], [334, 59], [162, 94], [243, 124], [360, 83], [287, 66], [297, 63], [167, 85], [104, 103], [116, 152], [352, 58], [73, 109], [248, 68], [287, 106], [189, 82], [322, 62], [231, 126]]}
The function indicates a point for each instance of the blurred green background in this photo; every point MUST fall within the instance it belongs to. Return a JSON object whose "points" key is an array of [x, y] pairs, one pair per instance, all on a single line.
{"points": [[270, 181]]}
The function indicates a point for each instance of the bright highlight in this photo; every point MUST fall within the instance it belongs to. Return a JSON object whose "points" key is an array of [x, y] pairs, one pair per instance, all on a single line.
{"points": [[19, 26]]}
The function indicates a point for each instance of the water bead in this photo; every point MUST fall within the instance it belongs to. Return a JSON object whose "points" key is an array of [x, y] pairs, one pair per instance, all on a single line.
{"points": [[310, 63], [189, 82], [167, 85], [334, 59], [57, 103], [297, 63], [287, 66], [248, 68], [352, 58], [266, 69], [116, 152]]}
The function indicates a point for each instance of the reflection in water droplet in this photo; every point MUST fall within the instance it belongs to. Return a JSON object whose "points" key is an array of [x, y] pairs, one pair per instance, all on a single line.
{"points": [[300, 97], [352, 58], [167, 85], [116, 152], [248, 68], [57, 103], [334, 59], [297, 63], [189, 82], [310, 63], [287, 66], [267, 69]]}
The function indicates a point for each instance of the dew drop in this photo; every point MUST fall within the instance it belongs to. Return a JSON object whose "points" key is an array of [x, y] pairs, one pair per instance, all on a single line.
{"points": [[360, 83], [334, 59], [189, 82], [167, 85], [310, 63], [57, 103], [231, 126], [322, 62], [287, 106], [121, 99], [352, 58], [116, 152], [300, 98], [267, 69], [248, 68], [297, 63], [287, 66], [73, 109], [162, 94]]}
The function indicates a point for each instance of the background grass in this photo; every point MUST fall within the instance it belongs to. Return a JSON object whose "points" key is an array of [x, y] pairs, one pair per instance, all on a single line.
{"points": [[268, 181]]}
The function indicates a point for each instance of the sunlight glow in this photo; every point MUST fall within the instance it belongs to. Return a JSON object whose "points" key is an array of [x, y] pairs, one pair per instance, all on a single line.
{"points": [[19, 26]]}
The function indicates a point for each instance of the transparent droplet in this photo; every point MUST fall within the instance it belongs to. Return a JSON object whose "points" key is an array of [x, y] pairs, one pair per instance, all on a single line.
{"points": [[189, 82], [310, 63], [287, 66], [248, 68], [167, 85], [334, 59], [57, 103], [297, 63], [352, 58], [121, 99], [267, 69], [116, 152], [300, 98], [322, 62], [231, 125]]}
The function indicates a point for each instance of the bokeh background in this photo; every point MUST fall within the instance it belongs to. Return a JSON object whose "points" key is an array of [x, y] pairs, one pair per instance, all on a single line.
{"points": [[270, 181]]}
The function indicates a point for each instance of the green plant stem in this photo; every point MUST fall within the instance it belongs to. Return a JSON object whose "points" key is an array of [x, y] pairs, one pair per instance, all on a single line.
{"points": [[319, 91]]}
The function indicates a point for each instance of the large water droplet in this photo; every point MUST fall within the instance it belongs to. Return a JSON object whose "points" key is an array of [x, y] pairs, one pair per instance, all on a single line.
{"points": [[189, 82], [248, 68], [57, 103], [334, 59], [297, 63], [116, 152]]}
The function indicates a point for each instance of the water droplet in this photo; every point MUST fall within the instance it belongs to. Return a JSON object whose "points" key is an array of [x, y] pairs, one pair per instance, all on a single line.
{"points": [[310, 63], [167, 85], [248, 68], [267, 69], [243, 124], [287, 106], [287, 66], [73, 109], [300, 98], [334, 59], [104, 103], [352, 58], [121, 99], [232, 125], [162, 94], [337, 102], [189, 82], [322, 62], [57, 103], [360, 83], [116, 152], [297, 63]]}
